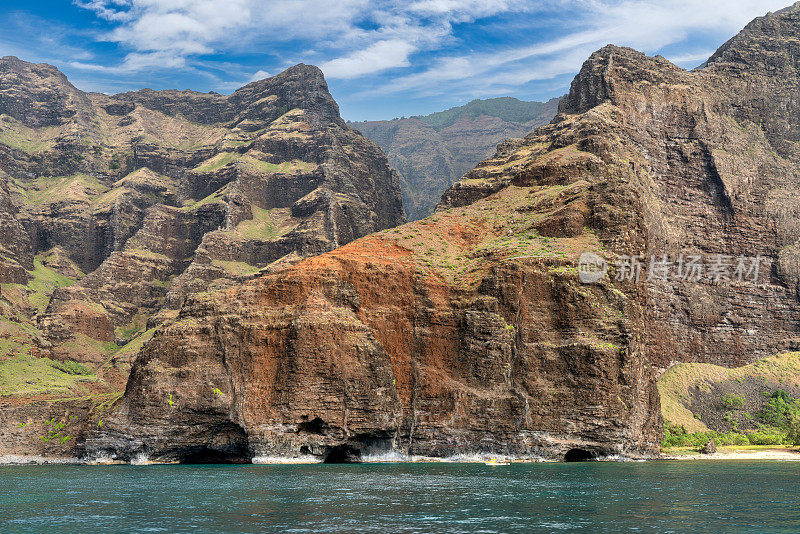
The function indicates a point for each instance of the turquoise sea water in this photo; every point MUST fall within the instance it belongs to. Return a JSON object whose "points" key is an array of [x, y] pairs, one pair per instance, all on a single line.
{"points": [[669, 496]]}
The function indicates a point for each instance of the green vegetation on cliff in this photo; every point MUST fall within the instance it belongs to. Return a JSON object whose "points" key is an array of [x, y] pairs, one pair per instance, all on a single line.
{"points": [[45, 281], [28, 375], [506, 108], [755, 404]]}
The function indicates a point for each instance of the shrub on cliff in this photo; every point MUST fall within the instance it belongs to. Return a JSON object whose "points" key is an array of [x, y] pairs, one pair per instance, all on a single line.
{"points": [[780, 410], [71, 368], [677, 436], [767, 436], [793, 435]]}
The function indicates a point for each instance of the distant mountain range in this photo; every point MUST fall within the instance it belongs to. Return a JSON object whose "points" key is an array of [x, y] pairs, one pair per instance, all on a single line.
{"points": [[431, 152]]}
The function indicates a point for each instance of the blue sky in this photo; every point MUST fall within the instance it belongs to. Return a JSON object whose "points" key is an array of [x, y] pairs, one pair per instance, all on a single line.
{"points": [[382, 59]]}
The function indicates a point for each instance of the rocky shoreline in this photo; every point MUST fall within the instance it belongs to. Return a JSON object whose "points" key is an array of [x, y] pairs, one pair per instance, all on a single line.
{"points": [[776, 454]]}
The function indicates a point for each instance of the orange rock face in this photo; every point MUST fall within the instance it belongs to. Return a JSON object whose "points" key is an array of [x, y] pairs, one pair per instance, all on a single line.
{"points": [[373, 348]]}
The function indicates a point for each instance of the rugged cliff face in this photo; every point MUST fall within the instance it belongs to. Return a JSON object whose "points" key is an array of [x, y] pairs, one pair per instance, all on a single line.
{"points": [[388, 344], [16, 254], [470, 330], [431, 152], [114, 208], [720, 163]]}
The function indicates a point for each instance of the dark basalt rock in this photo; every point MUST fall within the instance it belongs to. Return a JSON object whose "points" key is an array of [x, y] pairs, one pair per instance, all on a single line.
{"points": [[122, 108], [16, 253], [709, 448], [39, 95]]}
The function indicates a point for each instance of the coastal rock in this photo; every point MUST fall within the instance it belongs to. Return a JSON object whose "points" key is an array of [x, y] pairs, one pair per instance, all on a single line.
{"points": [[361, 351], [709, 448], [471, 331]]}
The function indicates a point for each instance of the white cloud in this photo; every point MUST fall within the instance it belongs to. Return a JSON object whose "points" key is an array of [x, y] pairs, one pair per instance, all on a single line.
{"points": [[689, 60], [260, 75], [357, 38], [466, 10], [136, 62], [187, 28], [647, 25], [376, 57]]}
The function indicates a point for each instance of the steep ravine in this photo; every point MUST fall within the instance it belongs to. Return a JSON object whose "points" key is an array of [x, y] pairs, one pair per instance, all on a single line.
{"points": [[432, 152]]}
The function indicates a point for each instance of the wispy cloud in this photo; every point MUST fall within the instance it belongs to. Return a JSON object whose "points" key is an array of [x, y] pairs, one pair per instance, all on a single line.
{"points": [[260, 75], [646, 25], [413, 50], [358, 36], [154, 31], [691, 59], [40, 39], [376, 57]]}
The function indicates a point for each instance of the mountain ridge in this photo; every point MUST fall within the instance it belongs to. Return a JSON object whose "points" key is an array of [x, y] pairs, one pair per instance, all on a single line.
{"points": [[431, 152], [117, 208]]}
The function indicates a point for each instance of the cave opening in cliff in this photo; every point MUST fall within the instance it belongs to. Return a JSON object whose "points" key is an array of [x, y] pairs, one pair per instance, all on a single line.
{"points": [[579, 455], [228, 444], [342, 454], [206, 455], [315, 426]]}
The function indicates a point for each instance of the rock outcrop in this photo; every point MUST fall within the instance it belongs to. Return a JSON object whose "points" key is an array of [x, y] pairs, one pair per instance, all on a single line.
{"points": [[471, 331], [16, 253]]}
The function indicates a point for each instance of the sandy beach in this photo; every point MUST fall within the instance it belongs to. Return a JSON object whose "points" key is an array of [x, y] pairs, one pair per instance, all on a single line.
{"points": [[776, 453]]}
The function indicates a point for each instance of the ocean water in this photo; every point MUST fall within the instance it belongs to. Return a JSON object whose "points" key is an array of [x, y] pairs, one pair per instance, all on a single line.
{"points": [[665, 496]]}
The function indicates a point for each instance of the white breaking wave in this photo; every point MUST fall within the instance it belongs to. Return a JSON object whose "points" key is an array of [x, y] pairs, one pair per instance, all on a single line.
{"points": [[141, 459], [19, 459], [462, 458], [308, 459], [390, 457], [619, 458]]}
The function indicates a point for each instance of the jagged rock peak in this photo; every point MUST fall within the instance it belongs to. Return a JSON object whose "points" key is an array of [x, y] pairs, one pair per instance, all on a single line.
{"points": [[15, 64], [301, 86], [595, 82], [37, 94], [250, 107], [766, 43], [765, 50], [306, 74]]}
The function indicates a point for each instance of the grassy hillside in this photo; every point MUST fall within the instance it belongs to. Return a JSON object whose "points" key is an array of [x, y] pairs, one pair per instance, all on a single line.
{"points": [[756, 404], [506, 108]]}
